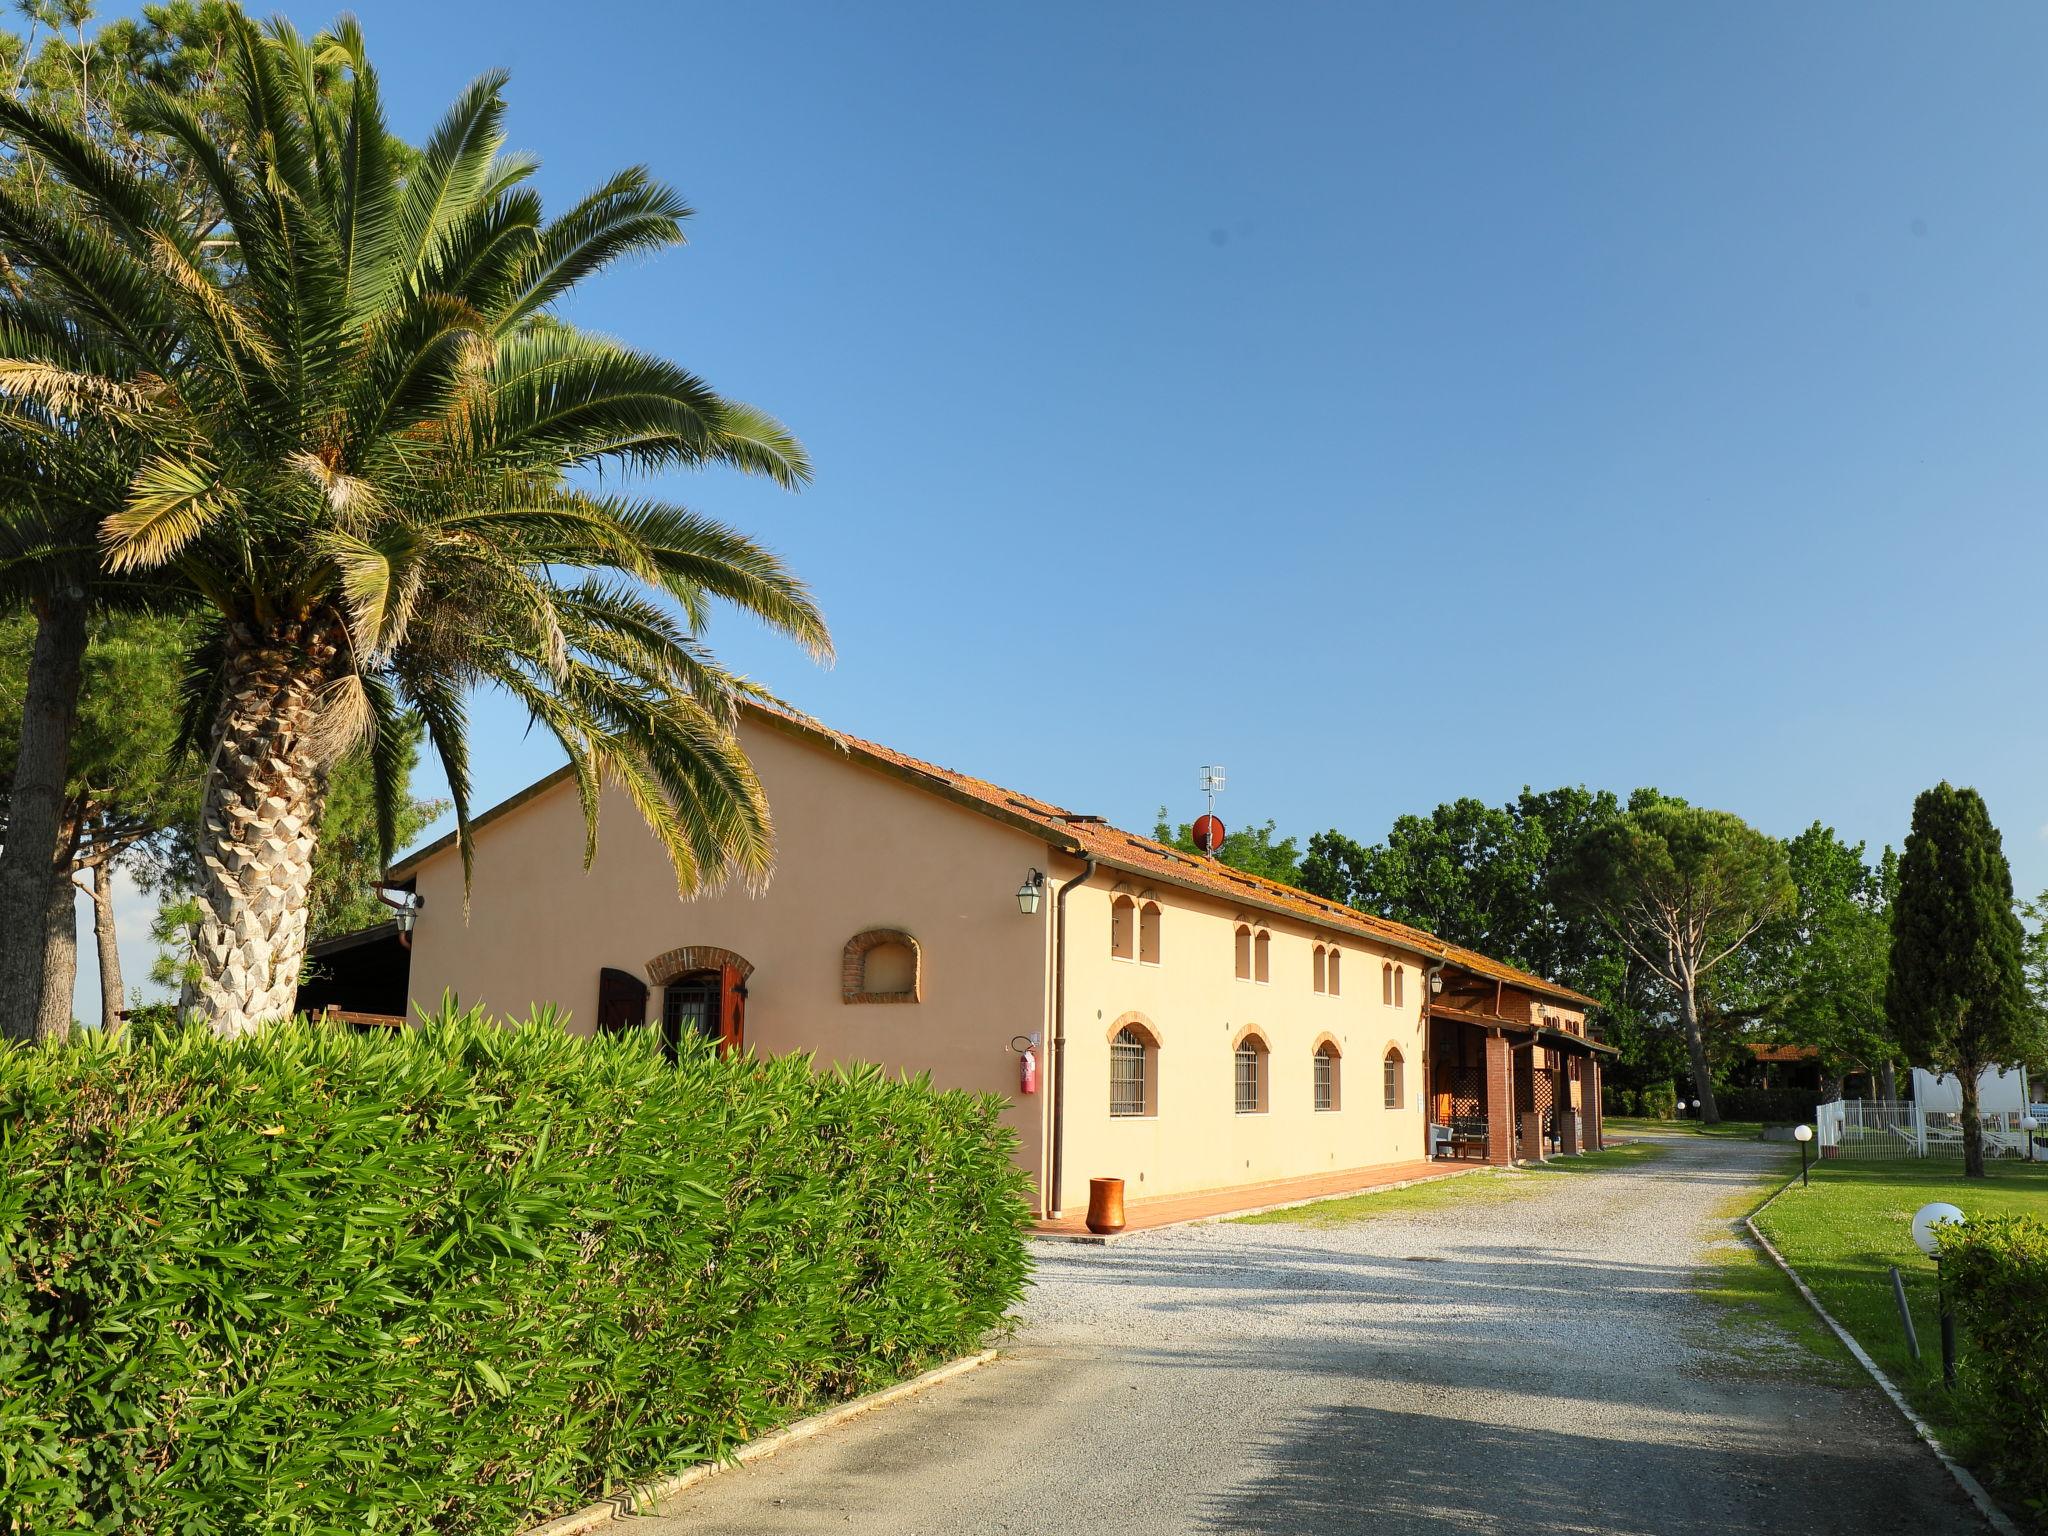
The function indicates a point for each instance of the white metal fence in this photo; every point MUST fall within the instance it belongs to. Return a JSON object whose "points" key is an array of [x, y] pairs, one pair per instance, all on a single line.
{"points": [[1874, 1129]]}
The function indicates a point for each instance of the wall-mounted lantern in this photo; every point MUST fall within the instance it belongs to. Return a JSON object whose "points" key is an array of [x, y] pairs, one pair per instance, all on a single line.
{"points": [[1030, 893], [405, 909]]}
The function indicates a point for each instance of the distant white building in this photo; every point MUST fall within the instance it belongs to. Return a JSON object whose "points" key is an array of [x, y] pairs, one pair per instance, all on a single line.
{"points": [[2000, 1091]]}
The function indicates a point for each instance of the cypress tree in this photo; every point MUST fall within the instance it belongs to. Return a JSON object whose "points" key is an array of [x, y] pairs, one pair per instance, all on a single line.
{"points": [[1955, 997]]}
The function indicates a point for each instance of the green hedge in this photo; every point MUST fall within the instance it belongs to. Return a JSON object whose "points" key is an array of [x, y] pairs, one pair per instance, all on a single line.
{"points": [[1996, 1271], [1773, 1106], [454, 1278]]}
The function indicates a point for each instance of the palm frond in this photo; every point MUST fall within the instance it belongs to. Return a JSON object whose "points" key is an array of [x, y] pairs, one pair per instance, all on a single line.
{"points": [[170, 504], [630, 213], [452, 171]]}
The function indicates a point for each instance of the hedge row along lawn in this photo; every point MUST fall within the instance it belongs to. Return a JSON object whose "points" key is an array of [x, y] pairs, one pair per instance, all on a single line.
{"points": [[456, 1278], [1845, 1231]]}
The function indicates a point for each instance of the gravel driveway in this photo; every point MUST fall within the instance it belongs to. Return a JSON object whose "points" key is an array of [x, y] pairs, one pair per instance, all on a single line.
{"points": [[1533, 1364]]}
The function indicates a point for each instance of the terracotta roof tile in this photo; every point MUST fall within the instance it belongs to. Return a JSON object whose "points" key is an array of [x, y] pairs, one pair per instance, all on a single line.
{"points": [[1079, 833]]}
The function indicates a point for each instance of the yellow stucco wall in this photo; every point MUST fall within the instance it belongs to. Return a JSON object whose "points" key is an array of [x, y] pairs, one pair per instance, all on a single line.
{"points": [[1198, 1008], [855, 850]]}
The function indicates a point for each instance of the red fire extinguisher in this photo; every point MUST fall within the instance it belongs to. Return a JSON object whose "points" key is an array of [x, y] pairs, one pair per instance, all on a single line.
{"points": [[1027, 1071]]}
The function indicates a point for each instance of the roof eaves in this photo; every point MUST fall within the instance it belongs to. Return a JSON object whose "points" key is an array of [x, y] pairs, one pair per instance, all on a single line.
{"points": [[505, 807]]}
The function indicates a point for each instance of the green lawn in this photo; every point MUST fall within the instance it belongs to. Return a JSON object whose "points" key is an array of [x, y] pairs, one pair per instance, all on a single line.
{"points": [[1471, 1189], [1734, 1130], [1845, 1232]]}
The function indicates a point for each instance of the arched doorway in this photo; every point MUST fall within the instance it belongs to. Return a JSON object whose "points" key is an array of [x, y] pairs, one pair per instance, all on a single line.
{"points": [[703, 996]]}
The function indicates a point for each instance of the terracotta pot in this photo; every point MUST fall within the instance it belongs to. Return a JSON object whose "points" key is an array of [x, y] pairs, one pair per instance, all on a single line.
{"points": [[1105, 1206]]}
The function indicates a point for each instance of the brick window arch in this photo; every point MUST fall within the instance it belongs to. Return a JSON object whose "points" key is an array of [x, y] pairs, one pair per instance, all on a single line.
{"points": [[670, 964], [882, 965]]}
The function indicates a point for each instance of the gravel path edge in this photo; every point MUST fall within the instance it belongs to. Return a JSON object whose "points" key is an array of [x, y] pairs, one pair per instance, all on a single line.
{"points": [[641, 1495], [1997, 1518]]}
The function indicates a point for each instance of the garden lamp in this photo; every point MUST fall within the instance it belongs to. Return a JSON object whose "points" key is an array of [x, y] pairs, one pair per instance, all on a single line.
{"points": [[1802, 1135], [1030, 891], [2030, 1125], [1939, 1213]]}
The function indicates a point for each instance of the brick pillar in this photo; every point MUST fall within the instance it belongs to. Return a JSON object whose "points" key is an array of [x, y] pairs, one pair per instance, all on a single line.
{"points": [[1567, 1117], [1532, 1134], [1500, 1101], [1593, 1108]]}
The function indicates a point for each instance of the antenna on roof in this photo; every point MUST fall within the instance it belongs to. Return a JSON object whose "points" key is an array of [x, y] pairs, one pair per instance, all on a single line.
{"points": [[1208, 831]]}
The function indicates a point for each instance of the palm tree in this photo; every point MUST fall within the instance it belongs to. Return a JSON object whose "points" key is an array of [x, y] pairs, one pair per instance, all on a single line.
{"points": [[365, 434], [61, 471]]}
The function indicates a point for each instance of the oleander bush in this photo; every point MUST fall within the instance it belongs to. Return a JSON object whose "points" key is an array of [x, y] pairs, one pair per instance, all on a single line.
{"points": [[1996, 1273], [455, 1278]]}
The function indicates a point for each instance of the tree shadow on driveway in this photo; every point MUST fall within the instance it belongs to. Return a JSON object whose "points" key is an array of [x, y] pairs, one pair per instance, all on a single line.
{"points": [[1360, 1469]]}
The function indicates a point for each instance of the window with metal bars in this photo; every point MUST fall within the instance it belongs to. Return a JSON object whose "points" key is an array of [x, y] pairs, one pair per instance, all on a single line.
{"points": [[1395, 1092], [1326, 1077], [1127, 1074], [1251, 1079]]}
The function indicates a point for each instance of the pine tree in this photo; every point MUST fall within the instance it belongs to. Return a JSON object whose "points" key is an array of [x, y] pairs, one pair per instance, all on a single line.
{"points": [[1955, 996]]}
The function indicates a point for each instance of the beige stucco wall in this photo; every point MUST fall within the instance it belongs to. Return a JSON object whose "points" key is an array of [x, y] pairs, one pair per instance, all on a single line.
{"points": [[856, 850], [1198, 1008]]}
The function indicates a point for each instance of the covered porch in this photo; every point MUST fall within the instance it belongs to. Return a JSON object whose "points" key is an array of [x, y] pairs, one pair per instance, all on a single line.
{"points": [[1505, 1090]]}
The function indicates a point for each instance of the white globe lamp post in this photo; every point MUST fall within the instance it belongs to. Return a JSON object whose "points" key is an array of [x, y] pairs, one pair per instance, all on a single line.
{"points": [[1933, 1215], [1804, 1136]]}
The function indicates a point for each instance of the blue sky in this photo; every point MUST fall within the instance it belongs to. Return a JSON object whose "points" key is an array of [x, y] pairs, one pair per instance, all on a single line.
{"points": [[1391, 403]]}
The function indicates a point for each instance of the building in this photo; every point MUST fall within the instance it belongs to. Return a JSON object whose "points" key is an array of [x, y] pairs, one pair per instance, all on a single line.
{"points": [[1195, 1028]]}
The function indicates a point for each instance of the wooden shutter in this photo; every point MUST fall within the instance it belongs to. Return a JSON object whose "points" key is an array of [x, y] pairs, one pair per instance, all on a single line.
{"points": [[621, 1001], [732, 1016]]}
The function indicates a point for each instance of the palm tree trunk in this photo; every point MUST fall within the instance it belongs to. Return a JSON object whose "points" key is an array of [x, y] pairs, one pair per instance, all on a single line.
{"points": [[35, 810], [259, 828], [113, 996], [60, 953], [1696, 1047]]}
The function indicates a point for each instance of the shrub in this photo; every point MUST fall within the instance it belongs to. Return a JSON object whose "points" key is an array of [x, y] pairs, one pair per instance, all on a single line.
{"points": [[1996, 1272], [452, 1278], [1660, 1101]]}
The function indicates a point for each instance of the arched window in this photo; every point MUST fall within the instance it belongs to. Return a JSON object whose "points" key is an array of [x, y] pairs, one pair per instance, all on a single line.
{"points": [[1133, 1070], [1123, 914], [1320, 982], [1262, 953], [1329, 1076], [1148, 933], [1251, 1076], [1387, 983], [1336, 955], [1395, 1090], [882, 965], [1400, 976], [1244, 952]]}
